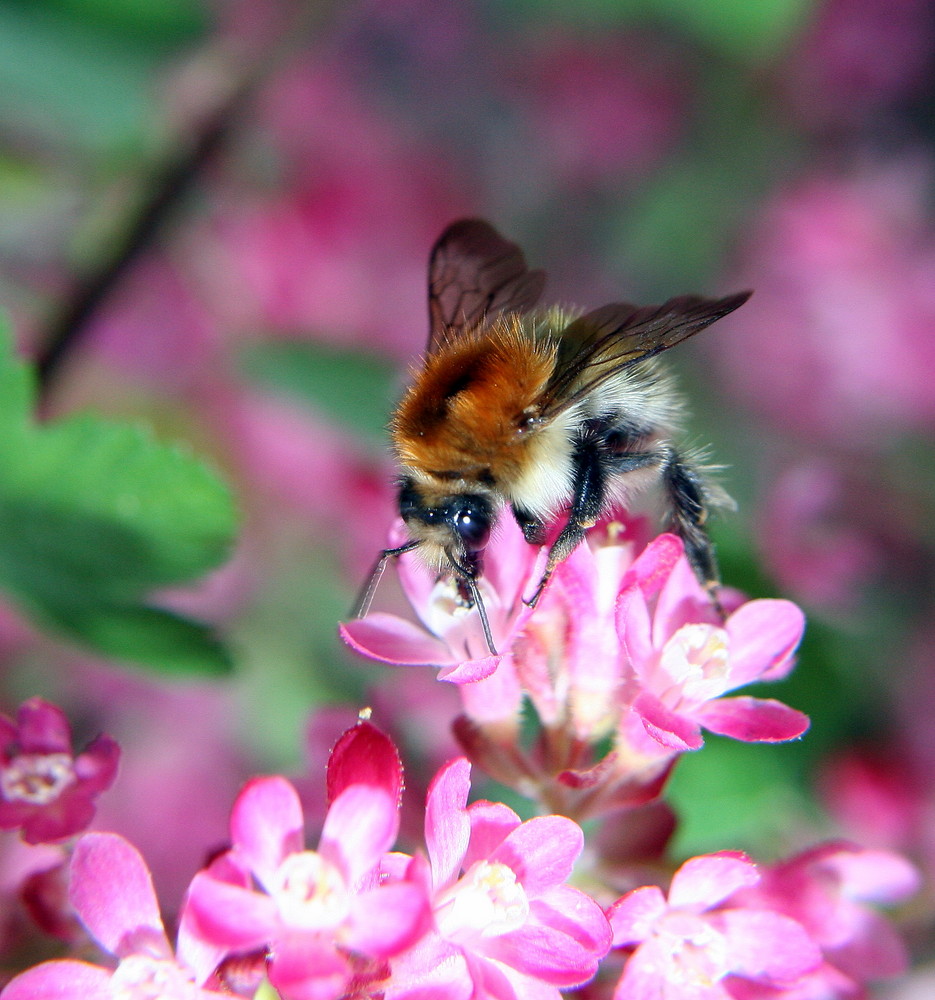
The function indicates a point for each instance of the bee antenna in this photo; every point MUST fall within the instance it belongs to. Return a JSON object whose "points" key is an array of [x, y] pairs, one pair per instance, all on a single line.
{"points": [[365, 597], [482, 611]]}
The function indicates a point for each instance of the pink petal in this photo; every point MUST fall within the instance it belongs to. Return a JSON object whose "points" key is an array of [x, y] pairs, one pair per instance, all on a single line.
{"points": [[112, 892], [229, 916], [491, 822], [361, 825], [673, 731], [643, 978], [432, 970], [304, 968], [267, 825], [681, 600], [753, 720], [874, 875], [389, 919], [542, 852], [43, 727], [768, 946], [654, 565], [705, 881], [364, 756], [635, 629], [632, 917], [573, 912], [763, 633], [447, 826], [469, 671], [96, 768], [61, 980], [545, 953], [390, 639]]}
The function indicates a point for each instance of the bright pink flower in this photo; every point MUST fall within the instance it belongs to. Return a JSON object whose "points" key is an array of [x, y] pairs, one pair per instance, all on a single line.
{"points": [[696, 943], [506, 922], [323, 915], [831, 890], [450, 636], [112, 892], [684, 659], [44, 788]]}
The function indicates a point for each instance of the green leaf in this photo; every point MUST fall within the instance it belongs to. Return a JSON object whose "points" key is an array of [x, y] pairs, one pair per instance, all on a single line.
{"points": [[738, 28], [355, 390], [96, 515]]}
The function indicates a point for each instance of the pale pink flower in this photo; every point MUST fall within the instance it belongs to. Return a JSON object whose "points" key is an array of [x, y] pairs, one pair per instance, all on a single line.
{"points": [[46, 789], [112, 893], [832, 891], [323, 915], [449, 636], [507, 924], [684, 660], [696, 943]]}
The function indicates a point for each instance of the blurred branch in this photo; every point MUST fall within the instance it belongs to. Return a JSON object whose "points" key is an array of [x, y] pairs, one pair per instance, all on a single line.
{"points": [[168, 182]]}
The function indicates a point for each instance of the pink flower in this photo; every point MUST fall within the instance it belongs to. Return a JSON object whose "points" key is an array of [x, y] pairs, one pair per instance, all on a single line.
{"points": [[450, 635], [323, 915], [831, 890], [506, 922], [112, 892], [44, 788], [696, 944], [684, 659]]}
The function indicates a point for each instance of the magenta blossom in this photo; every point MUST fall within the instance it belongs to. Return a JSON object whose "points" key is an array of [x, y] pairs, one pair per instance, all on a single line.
{"points": [[322, 915], [506, 923], [112, 892], [831, 890], [684, 659], [697, 944], [450, 636], [44, 788]]}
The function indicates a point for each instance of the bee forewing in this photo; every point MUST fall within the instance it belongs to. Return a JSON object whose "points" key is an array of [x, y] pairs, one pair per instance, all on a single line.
{"points": [[474, 273], [596, 346]]}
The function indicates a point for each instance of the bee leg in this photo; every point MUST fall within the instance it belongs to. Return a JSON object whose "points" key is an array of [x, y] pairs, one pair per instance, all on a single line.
{"points": [[365, 597], [689, 512], [590, 491]]}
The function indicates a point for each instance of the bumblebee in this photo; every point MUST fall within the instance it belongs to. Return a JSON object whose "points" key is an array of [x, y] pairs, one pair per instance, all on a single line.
{"points": [[558, 416]]}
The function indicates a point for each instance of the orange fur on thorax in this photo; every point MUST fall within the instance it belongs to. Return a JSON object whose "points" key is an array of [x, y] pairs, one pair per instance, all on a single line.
{"points": [[463, 411]]}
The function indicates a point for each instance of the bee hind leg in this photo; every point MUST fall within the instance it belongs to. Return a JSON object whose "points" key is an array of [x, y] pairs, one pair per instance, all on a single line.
{"points": [[689, 507]]}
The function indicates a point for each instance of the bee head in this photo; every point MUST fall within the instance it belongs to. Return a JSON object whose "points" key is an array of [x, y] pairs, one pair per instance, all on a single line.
{"points": [[457, 526]]}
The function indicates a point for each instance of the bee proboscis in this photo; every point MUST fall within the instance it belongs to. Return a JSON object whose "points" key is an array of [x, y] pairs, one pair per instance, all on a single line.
{"points": [[541, 410]]}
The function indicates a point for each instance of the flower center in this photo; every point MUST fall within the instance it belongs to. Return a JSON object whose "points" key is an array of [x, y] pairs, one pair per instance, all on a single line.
{"points": [[140, 977], [695, 953], [696, 659], [37, 778], [310, 891], [486, 901]]}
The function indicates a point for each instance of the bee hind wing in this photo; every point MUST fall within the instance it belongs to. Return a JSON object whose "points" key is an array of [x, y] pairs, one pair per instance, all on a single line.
{"points": [[596, 346], [474, 273]]}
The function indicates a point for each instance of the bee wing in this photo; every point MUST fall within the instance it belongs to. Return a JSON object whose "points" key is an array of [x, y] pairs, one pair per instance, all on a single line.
{"points": [[598, 345], [474, 272]]}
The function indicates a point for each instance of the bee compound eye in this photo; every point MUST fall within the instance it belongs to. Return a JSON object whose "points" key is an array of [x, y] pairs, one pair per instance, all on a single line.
{"points": [[473, 527]]}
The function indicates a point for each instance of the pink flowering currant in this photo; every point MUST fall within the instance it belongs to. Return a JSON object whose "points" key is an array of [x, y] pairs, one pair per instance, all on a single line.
{"points": [[697, 944], [831, 890], [324, 917], [112, 893], [506, 924], [45, 789], [683, 659]]}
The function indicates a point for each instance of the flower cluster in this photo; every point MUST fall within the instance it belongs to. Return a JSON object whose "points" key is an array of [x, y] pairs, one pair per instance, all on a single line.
{"points": [[621, 647], [485, 909]]}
